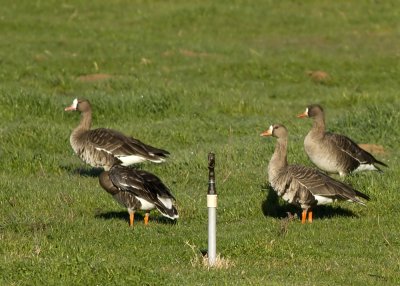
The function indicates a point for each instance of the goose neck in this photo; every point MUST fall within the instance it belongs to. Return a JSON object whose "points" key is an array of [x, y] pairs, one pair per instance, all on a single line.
{"points": [[279, 158], [319, 124], [86, 121]]}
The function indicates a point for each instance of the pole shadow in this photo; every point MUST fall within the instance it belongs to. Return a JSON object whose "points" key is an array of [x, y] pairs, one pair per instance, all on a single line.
{"points": [[275, 207]]}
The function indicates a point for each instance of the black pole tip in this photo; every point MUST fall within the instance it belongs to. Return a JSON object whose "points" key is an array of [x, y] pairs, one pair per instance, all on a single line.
{"points": [[211, 174], [211, 160]]}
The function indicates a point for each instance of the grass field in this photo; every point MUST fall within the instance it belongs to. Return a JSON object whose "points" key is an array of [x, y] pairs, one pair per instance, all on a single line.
{"points": [[194, 77]]}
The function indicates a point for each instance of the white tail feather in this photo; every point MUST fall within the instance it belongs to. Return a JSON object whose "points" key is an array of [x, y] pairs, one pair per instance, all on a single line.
{"points": [[366, 167]]}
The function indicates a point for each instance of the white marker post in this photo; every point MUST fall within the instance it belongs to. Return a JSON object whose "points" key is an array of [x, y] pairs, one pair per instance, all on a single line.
{"points": [[212, 211]]}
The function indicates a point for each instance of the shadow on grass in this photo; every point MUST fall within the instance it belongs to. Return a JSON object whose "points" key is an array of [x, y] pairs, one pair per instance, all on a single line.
{"points": [[124, 215], [274, 207], [83, 171], [90, 171]]}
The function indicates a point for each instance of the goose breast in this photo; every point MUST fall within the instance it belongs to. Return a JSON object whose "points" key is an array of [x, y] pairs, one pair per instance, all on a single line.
{"points": [[321, 154]]}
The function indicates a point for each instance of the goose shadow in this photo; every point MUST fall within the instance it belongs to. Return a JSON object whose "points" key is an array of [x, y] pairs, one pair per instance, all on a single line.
{"points": [[91, 171], [274, 207], [124, 215], [83, 171]]}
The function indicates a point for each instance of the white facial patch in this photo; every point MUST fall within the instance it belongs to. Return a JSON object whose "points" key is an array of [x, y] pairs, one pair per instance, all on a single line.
{"points": [[75, 103], [306, 111], [271, 128]]}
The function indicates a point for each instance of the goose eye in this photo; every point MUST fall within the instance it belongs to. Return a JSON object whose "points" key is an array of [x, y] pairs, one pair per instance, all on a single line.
{"points": [[276, 127]]}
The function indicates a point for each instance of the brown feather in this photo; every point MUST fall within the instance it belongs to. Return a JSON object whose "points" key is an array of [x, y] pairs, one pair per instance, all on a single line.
{"points": [[105, 147], [129, 186], [335, 153], [300, 185]]}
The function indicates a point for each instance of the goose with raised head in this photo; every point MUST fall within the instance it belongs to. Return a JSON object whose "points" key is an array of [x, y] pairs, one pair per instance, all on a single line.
{"points": [[104, 147], [303, 186], [138, 190], [334, 153]]}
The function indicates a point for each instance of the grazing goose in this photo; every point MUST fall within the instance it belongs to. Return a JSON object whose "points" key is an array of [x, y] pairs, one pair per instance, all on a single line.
{"points": [[300, 185], [105, 147], [138, 190], [334, 153]]}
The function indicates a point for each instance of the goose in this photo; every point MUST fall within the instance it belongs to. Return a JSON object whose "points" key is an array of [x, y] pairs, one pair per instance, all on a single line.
{"points": [[334, 153], [300, 185], [104, 147], [138, 190]]}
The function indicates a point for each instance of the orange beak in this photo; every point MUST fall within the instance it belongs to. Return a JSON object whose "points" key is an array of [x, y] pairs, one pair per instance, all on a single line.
{"points": [[70, 108], [266, 133], [74, 105], [302, 115]]}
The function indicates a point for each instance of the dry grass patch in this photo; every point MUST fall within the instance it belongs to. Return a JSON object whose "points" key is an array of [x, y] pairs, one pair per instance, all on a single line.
{"points": [[319, 76], [187, 53], [94, 77], [373, 148], [200, 260]]}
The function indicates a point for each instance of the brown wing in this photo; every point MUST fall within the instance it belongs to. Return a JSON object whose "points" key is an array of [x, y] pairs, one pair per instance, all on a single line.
{"points": [[114, 142], [351, 149], [320, 184], [127, 199], [143, 185]]}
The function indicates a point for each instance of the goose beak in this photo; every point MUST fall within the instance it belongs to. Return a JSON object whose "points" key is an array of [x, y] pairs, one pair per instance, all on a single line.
{"points": [[70, 108], [303, 115], [74, 105], [266, 133]]}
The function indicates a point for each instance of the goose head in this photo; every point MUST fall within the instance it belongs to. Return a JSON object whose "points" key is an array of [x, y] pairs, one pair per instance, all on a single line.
{"points": [[80, 105], [276, 130], [313, 110]]}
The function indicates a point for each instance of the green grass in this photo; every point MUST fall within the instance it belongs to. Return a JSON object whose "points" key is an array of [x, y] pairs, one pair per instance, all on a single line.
{"points": [[194, 77]]}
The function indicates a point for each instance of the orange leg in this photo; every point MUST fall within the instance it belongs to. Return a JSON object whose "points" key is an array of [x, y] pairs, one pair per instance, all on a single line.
{"points": [[131, 218], [146, 218], [310, 216], [303, 216]]}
